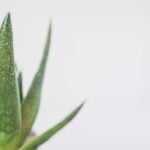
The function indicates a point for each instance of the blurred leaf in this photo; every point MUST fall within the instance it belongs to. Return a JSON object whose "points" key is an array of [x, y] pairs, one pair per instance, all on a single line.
{"points": [[48, 134], [31, 103], [20, 86], [10, 115]]}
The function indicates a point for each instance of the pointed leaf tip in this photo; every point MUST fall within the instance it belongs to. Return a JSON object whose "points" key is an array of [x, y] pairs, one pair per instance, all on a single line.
{"points": [[7, 16], [9, 97], [7, 19], [30, 105], [37, 141]]}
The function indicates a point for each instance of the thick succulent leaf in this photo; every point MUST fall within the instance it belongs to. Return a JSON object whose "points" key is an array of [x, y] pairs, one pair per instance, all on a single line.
{"points": [[10, 115], [36, 142], [20, 86], [31, 103]]}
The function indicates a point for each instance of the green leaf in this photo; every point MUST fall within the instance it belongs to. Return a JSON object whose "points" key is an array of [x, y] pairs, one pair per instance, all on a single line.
{"points": [[20, 86], [48, 134], [31, 103], [10, 115]]}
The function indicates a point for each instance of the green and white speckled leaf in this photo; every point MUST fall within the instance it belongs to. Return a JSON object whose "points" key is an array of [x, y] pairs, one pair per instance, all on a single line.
{"points": [[10, 115], [36, 142], [31, 103]]}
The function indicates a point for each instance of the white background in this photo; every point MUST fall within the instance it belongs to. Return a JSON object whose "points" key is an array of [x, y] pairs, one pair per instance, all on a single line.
{"points": [[100, 52]]}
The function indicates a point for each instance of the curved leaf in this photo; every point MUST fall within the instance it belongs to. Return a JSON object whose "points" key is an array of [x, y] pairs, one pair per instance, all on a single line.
{"points": [[31, 103], [48, 134]]}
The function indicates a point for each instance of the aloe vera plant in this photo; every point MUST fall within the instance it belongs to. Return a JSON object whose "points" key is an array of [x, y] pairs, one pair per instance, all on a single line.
{"points": [[18, 113]]}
